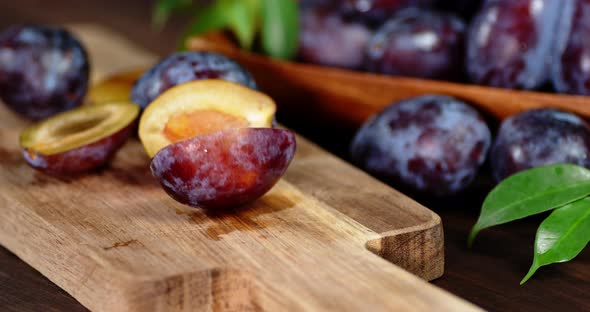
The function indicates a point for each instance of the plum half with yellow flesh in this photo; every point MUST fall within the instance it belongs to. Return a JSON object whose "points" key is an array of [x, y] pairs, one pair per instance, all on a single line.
{"points": [[213, 143], [79, 140], [200, 107], [116, 87], [224, 169]]}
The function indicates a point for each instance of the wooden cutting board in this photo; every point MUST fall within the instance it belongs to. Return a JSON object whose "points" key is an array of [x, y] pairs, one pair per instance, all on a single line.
{"points": [[322, 239]]}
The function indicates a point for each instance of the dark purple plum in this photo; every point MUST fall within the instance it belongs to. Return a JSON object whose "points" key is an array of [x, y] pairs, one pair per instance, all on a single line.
{"points": [[418, 43], [43, 70], [377, 11], [539, 137], [327, 39], [431, 144], [510, 42], [571, 66], [184, 67]]}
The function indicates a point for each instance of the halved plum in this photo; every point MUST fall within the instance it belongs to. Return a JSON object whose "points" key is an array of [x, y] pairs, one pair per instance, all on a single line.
{"points": [[79, 140], [224, 169], [214, 144], [116, 87], [201, 107]]}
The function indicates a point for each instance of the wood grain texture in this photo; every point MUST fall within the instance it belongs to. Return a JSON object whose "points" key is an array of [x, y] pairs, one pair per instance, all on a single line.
{"points": [[116, 242], [350, 97]]}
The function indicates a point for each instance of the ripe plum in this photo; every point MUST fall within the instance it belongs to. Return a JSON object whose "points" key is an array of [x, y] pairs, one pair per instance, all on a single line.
{"points": [[539, 137], [418, 43], [430, 144], [43, 70]]}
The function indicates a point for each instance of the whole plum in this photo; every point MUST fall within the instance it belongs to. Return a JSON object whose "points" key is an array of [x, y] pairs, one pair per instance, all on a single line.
{"points": [[539, 137], [571, 66], [327, 39], [184, 67], [43, 70], [418, 43], [431, 144], [510, 42], [377, 11]]}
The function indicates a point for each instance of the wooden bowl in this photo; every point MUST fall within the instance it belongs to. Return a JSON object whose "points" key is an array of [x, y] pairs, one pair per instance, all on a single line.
{"points": [[350, 97]]}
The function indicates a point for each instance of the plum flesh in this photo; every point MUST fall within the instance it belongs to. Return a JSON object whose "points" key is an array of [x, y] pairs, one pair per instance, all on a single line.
{"points": [[432, 145], [43, 70], [116, 87], [199, 107], [79, 140], [79, 160], [539, 137], [224, 169]]}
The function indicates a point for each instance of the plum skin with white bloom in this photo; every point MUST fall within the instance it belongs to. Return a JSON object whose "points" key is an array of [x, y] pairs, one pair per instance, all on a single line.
{"points": [[432, 145], [539, 137]]}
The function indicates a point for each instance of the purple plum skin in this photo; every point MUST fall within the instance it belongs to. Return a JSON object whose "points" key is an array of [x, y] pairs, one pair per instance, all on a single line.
{"points": [[224, 169], [327, 39], [537, 138], [375, 12], [510, 42], [43, 70], [571, 65], [432, 145], [418, 43], [82, 159], [184, 67]]}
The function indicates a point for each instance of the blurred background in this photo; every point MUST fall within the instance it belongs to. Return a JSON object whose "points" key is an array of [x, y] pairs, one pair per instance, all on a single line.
{"points": [[131, 18]]}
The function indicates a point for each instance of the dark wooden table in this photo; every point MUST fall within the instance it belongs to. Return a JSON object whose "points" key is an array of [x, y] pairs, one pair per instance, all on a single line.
{"points": [[487, 274]]}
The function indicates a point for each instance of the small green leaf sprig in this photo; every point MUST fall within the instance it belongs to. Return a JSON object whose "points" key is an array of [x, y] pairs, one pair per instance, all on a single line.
{"points": [[276, 22], [563, 188]]}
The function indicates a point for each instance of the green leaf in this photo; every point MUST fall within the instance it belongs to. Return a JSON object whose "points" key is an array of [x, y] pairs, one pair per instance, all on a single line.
{"points": [[163, 9], [531, 192], [562, 236], [280, 28], [209, 18], [238, 15], [243, 21]]}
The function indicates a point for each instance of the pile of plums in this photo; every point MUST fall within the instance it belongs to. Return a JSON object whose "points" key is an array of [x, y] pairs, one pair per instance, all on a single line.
{"points": [[518, 44], [210, 134], [435, 145]]}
